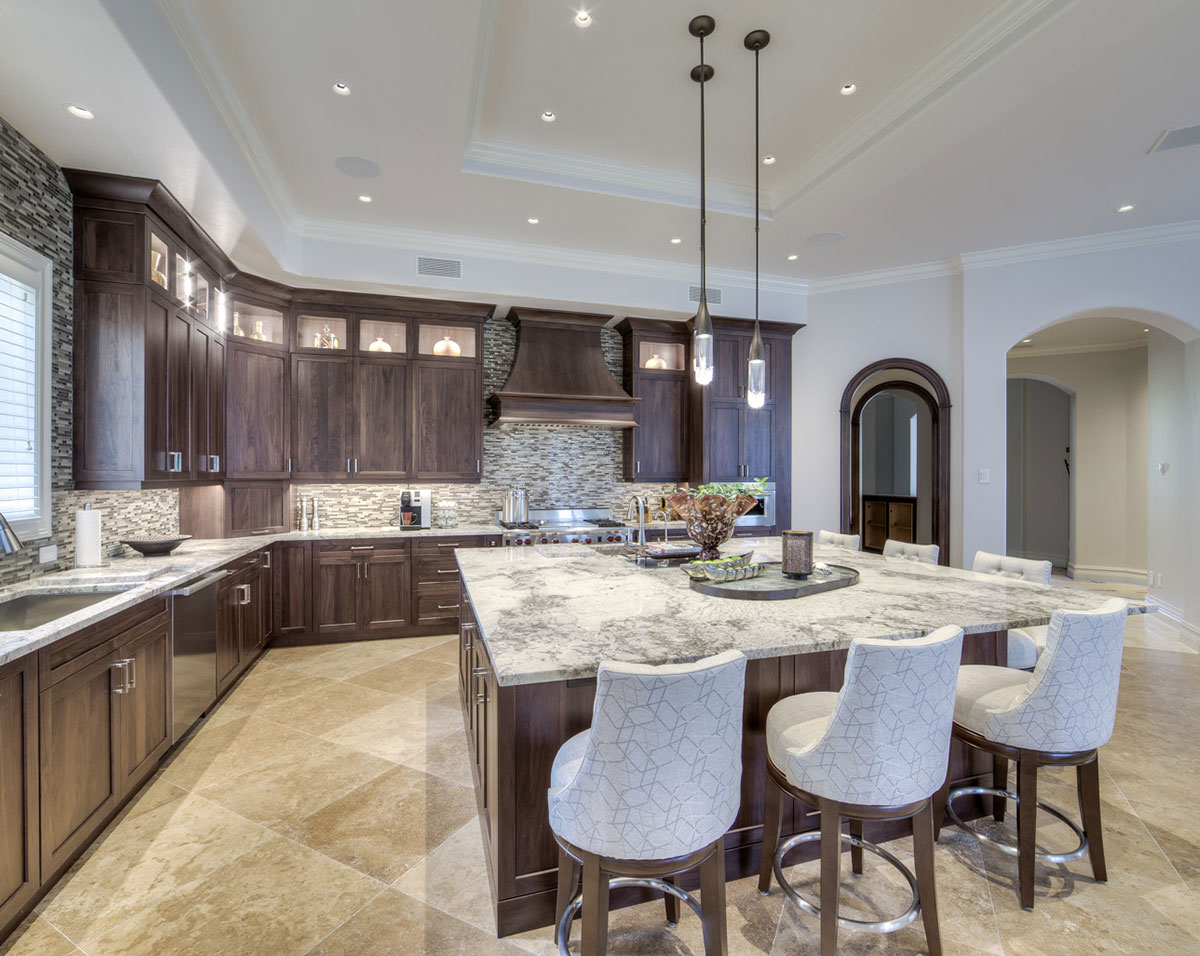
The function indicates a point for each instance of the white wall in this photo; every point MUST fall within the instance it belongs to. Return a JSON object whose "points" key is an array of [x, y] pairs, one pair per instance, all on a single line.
{"points": [[847, 331], [1109, 456]]}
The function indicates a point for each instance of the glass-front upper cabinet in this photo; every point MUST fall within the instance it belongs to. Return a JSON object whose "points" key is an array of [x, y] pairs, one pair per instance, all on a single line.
{"points": [[255, 323], [323, 332], [660, 356], [382, 337], [447, 341], [160, 262], [202, 292]]}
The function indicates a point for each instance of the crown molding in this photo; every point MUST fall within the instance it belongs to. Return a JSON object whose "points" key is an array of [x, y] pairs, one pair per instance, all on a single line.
{"points": [[1082, 245], [186, 21], [1125, 345], [550, 167], [864, 280], [449, 245], [996, 31]]}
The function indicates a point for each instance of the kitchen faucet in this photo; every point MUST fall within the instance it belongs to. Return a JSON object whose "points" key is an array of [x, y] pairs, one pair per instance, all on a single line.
{"points": [[640, 504]]}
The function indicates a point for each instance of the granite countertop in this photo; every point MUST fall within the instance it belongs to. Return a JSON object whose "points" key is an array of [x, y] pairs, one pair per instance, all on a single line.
{"points": [[553, 613], [133, 578]]}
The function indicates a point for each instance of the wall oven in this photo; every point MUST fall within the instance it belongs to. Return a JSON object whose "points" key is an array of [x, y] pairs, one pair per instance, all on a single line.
{"points": [[762, 515]]}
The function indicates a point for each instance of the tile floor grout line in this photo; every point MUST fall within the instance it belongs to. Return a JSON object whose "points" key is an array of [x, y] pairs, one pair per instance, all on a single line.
{"points": [[345, 921]]}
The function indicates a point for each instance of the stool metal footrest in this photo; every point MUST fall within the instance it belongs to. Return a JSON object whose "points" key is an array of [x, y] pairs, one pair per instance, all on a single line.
{"points": [[871, 926], [1011, 848], [568, 915]]}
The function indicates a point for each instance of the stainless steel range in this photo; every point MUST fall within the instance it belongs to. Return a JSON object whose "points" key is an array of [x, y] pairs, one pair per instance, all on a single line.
{"points": [[566, 526]]}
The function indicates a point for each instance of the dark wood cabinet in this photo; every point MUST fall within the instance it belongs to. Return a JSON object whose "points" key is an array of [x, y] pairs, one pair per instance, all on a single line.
{"points": [[656, 373], [724, 442], [447, 421], [208, 402], [257, 418], [293, 590], [362, 589], [243, 611], [20, 853], [381, 415], [144, 709], [337, 573], [385, 592], [321, 418], [230, 595], [888, 516]]}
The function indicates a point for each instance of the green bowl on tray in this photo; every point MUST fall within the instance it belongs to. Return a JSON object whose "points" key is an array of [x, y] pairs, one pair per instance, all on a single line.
{"points": [[700, 570], [741, 572]]}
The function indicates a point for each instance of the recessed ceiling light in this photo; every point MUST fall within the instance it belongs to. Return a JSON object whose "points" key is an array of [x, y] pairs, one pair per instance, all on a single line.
{"points": [[1026, 341], [1145, 330], [849, 89], [364, 198], [548, 117], [676, 241], [583, 19], [768, 160], [793, 257], [341, 89], [80, 112], [532, 220], [1128, 207]]}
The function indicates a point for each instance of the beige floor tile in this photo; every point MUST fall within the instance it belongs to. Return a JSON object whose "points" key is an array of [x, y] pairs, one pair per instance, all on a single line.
{"points": [[448, 758], [143, 861], [454, 878], [445, 652], [400, 730], [405, 676], [158, 792], [383, 827], [355, 657], [279, 899], [283, 792], [264, 687], [394, 924], [217, 753], [327, 708], [36, 937]]}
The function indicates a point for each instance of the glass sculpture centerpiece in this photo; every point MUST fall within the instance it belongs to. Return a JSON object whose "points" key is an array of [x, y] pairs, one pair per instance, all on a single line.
{"points": [[710, 511]]}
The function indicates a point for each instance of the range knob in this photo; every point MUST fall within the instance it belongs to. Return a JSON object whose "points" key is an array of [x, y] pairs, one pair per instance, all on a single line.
{"points": [[545, 541]]}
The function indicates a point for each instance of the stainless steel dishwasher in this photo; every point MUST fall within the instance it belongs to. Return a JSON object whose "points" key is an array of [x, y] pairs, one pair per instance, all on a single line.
{"points": [[194, 611]]}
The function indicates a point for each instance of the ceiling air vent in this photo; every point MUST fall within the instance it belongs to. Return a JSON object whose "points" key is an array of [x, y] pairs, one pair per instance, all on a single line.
{"points": [[713, 295], [1176, 138], [446, 268]]}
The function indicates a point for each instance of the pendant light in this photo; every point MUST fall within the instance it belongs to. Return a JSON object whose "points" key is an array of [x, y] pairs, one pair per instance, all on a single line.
{"points": [[756, 373], [702, 329]]}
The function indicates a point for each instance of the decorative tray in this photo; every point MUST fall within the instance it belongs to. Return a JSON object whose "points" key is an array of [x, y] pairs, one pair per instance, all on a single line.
{"points": [[771, 585]]}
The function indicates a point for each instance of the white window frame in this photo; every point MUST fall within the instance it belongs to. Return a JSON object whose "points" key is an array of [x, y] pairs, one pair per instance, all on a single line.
{"points": [[34, 269]]}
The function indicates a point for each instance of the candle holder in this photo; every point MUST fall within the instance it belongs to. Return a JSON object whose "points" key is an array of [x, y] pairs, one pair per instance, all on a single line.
{"points": [[797, 554]]}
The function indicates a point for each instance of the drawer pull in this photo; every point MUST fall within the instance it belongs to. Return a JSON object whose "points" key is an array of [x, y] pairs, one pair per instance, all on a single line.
{"points": [[362, 547], [481, 698], [448, 571], [447, 607], [479, 671], [452, 544]]}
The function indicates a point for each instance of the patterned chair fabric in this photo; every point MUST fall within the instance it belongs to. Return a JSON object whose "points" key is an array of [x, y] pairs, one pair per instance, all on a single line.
{"points": [[851, 542], [1036, 572], [1069, 702], [1025, 645], [924, 553], [658, 775], [884, 739]]}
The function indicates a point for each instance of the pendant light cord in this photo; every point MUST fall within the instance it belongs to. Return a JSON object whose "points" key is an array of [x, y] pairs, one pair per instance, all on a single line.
{"points": [[703, 207], [756, 193]]}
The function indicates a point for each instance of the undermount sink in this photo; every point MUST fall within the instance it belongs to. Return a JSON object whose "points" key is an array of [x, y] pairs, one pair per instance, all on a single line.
{"points": [[33, 610]]}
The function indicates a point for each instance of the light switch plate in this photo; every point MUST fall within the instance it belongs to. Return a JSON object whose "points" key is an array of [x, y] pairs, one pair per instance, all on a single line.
{"points": [[985, 476], [1158, 580], [48, 554]]}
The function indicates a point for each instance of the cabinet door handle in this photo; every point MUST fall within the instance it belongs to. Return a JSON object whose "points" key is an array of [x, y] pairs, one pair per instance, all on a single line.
{"points": [[289, 465], [447, 607], [638, 470], [481, 698], [479, 671], [366, 566], [266, 559], [450, 571], [123, 687], [128, 681], [347, 466], [245, 591], [358, 570], [131, 672], [216, 462], [356, 466], [175, 461]]}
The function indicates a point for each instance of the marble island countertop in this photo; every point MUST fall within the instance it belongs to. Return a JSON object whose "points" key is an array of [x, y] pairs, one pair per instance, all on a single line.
{"points": [[554, 613], [132, 579]]}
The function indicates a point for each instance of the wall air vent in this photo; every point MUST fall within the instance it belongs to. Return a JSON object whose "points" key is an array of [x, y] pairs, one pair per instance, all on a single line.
{"points": [[713, 295], [1176, 138], [445, 268]]}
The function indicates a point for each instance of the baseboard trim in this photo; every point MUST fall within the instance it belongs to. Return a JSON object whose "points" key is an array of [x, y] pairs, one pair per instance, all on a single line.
{"points": [[1057, 560], [1093, 572], [1188, 631]]}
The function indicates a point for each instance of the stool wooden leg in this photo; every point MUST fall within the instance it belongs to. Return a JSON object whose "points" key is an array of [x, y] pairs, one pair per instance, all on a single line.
{"points": [[712, 903], [1026, 825], [672, 903], [856, 853], [1088, 785], [595, 907], [568, 880], [939, 805], [770, 841], [831, 856], [926, 885], [1000, 782]]}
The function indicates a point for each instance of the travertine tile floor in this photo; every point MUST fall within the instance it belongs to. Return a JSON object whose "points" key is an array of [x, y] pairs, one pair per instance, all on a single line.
{"points": [[325, 808]]}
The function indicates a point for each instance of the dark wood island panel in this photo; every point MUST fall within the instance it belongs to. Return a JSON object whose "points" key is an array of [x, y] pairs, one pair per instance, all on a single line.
{"points": [[514, 731]]}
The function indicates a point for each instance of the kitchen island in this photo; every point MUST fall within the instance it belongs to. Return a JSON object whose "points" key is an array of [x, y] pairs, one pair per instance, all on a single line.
{"points": [[537, 622]]}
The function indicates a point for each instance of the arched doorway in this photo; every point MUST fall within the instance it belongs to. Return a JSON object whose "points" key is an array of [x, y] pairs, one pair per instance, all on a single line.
{"points": [[891, 376], [1040, 497]]}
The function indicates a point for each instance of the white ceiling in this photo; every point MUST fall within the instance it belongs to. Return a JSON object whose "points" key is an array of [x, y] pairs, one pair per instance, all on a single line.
{"points": [[1100, 333], [978, 124]]}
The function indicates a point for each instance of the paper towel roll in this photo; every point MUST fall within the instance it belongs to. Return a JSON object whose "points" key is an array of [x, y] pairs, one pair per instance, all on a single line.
{"points": [[87, 539]]}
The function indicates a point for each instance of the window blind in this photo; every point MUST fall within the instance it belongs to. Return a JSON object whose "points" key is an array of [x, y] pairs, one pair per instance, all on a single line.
{"points": [[19, 484]]}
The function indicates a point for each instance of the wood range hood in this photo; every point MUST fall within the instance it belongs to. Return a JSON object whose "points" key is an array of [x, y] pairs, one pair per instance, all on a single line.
{"points": [[559, 376]]}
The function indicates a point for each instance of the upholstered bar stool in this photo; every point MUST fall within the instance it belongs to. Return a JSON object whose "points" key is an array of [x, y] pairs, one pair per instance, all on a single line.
{"points": [[1025, 644], [649, 792], [877, 750], [1057, 716], [923, 553], [851, 542]]}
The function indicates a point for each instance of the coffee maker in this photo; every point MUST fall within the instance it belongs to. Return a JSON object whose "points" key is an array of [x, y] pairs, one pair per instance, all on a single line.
{"points": [[416, 509]]}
